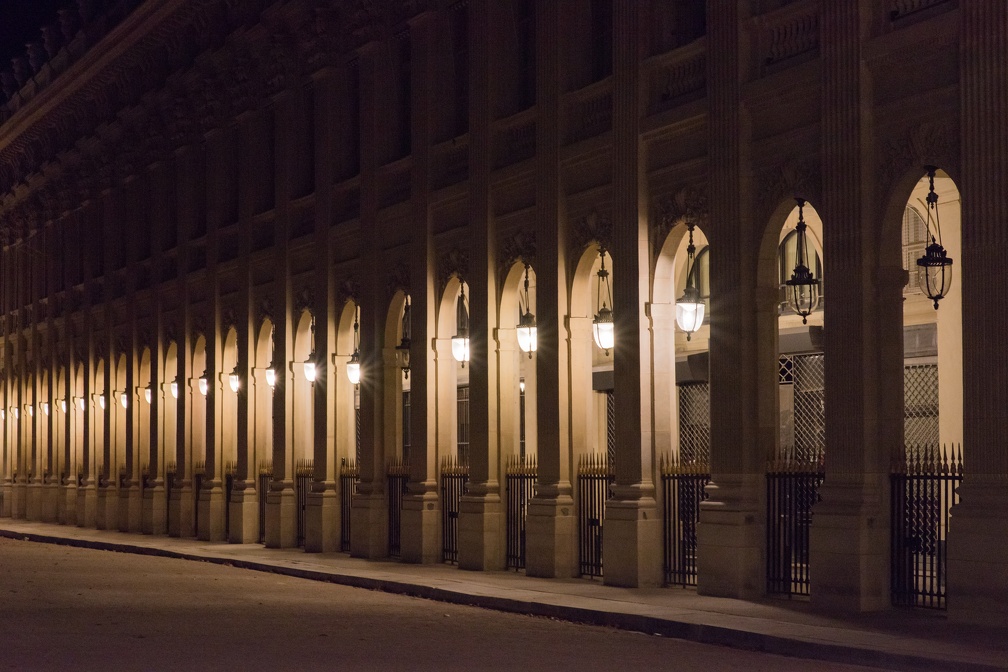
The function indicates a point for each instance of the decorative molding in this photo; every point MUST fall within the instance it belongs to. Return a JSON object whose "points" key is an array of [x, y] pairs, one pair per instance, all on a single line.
{"points": [[593, 228], [798, 177], [927, 144], [454, 262], [689, 205], [520, 246], [347, 289], [399, 278], [304, 299]]}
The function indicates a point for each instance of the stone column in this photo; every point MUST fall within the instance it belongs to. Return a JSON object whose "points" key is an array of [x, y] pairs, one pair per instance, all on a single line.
{"points": [[978, 532], [730, 536], [480, 513], [550, 527], [849, 542], [632, 540], [420, 533]]}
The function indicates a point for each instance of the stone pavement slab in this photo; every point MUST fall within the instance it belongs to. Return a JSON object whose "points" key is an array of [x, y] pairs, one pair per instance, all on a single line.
{"points": [[897, 639]]}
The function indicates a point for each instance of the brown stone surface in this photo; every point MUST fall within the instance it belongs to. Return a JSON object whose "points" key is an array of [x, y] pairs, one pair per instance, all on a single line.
{"points": [[72, 608]]}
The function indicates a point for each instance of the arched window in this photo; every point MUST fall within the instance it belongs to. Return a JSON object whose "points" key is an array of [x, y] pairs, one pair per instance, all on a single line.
{"points": [[786, 257]]}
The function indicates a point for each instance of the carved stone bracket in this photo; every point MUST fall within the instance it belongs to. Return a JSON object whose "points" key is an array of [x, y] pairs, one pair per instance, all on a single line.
{"points": [[593, 228], [304, 300], [399, 278], [689, 205], [454, 262], [347, 289], [934, 144], [798, 177], [520, 246]]}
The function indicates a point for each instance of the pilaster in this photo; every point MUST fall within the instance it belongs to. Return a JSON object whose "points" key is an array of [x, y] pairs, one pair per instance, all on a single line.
{"points": [[978, 532]]}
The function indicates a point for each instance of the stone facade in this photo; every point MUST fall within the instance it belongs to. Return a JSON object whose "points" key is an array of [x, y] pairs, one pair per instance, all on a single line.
{"points": [[204, 189]]}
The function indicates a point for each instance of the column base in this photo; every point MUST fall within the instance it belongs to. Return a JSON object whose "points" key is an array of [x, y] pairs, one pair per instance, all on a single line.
{"points": [[155, 509], [551, 536], [731, 538], [50, 501], [281, 524], [369, 526], [243, 527], [6, 504], [420, 540], [33, 508], [849, 558], [107, 508], [130, 509], [87, 505], [210, 526], [19, 500], [181, 521], [68, 512], [322, 519], [977, 542], [632, 543], [481, 532]]}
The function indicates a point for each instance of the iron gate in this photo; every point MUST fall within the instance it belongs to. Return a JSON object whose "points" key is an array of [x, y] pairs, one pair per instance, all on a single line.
{"points": [[398, 478], [594, 478], [265, 476], [694, 422], [521, 474], [349, 478], [924, 482], [683, 484], [303, 473], [454, 479], [792, 491]]}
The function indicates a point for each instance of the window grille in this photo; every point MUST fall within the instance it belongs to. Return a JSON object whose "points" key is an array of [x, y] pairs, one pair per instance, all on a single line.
{"points": [[462, 443], [694, 423]]}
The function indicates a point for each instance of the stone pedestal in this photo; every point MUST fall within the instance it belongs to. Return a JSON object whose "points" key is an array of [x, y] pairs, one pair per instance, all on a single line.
{"points": [[33, 507], [50, 501], [20, 500], [180, 515], [244, 525], [87, 505], [130, 509], [421, 528], [849, 555], [481, 543], [632, 543], [731, 539], [977, 543], [6, 505], [281, 524], [369, 526], [322, 520], [68, 512], [551, 537], [106, 508], [154, 509], [210, 526]]}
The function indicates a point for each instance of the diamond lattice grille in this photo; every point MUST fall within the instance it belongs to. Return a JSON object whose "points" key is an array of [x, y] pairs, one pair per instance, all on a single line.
{"points": [[809, 407], [694, 422], [920, 405]]}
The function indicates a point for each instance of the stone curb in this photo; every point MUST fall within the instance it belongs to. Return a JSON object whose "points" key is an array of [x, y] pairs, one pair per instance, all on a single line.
{"points": [[650, 625]]}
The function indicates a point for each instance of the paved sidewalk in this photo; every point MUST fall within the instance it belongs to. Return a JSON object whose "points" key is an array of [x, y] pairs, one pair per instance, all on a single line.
{"points": [[902, 640]]}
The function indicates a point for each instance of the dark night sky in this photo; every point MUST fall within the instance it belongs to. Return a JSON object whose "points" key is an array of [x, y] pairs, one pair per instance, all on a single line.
{"points": [[20, 21]]}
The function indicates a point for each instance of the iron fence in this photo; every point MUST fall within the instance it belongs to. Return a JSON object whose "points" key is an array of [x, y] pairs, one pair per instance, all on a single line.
{"points": [[303, 472], [792, 491], [230, 469], [265, 477], [349, 479], [594, 478], [683, 483], [521, 474], [199, 473], [398, 477], [454, 482], [169, 487], [924, 482]]}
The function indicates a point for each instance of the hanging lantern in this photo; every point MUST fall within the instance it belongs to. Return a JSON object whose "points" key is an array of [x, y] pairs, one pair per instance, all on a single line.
{"points": [[147, 394], [203, 384], [234, 379], [526, 331], [271, 376], [101, 400], [45, 407], [403, 349], [174, 388], [309, 363], [63, 405], [690, 307], [802, 287], [353, 366], [80, 403], [17, 412], [124, 400], [603, 329], [460, 341], [934, 269]]}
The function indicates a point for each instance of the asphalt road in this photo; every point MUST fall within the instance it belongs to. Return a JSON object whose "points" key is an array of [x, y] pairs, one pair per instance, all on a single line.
{"points": [[65, 608]]}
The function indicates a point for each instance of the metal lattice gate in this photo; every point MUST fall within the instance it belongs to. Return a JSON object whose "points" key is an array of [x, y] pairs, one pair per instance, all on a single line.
{"points": [[809, 408], [683, 484], [924, 482], [265, 476], [594, 478], [694, 422], [920, 405], [462, 426], [521, 475], [454, 480], [398, 477], [349, 479], [303, 473]]}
